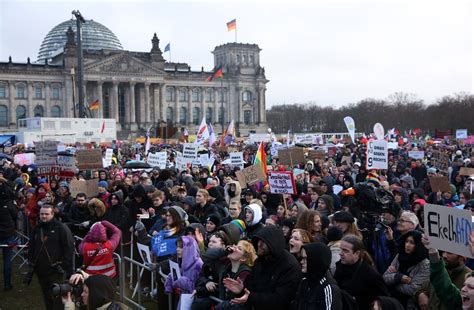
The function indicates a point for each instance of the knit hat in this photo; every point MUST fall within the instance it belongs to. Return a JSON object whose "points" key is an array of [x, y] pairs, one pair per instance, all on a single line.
{"points": [[31, 190], [189, 200], [64, 184], [181, 212], [343, 217], [241, 226], [372, 177], [149, 188], [334, 233], [103, 184], [215, 219]]}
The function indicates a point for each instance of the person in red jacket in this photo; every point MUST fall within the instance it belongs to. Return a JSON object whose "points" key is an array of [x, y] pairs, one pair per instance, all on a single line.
{"points": [[97, 250]]}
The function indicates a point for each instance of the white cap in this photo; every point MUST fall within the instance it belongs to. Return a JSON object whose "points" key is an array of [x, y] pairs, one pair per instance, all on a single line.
{"points": [[458, 152]]}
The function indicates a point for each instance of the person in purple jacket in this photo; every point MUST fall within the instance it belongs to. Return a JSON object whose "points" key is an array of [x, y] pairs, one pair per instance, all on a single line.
{"points": [[190, 264]]}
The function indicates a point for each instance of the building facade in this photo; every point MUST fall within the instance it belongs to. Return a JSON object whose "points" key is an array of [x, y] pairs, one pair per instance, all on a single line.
{"points": [[139, 90]]}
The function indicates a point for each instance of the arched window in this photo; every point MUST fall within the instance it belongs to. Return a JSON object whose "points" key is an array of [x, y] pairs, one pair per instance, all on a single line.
{"points": [[246, 96], [196, 112], [39, 111], [196, 95], [20, 112], [21, 91], [209, 114], [170, 94], [183, 94], [38, 91], [210, 95], [169, 114], [55, 111], [3, 116], [183, 114], [3, 90]]}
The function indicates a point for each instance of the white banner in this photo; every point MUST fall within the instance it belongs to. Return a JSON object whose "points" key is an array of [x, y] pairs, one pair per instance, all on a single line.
{"points": [[24, 159], [416, 154], [377, 154], [237, 159], [180, 164], [281, 182], [108, 158], [259, 137], [190, 152], [157, 159], [448, 229], [461, 134]]}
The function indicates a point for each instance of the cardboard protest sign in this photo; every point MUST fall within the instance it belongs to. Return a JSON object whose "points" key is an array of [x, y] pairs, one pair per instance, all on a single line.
{"points": [[89, 159], [461, 134], [250, 175], [190, 152], [440, 160], [466, 171], [377, 154], [281, 182], [439, 184], [241, 178], [332, 151], [237, 159], [157, 159], [416, 154], [298, 174], [448, 229], [89, 187], [291, 156], [108, 157], [24, 159], [317, 154], [46, 157]]}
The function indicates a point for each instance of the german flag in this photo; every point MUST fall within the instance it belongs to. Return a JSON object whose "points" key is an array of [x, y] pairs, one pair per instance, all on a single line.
{"points": [[217, 74], [94, 105], [232, 25]]}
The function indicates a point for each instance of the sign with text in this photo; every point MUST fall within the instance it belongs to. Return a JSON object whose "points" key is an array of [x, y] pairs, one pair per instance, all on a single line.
{"points": [[237, 159], [466, 171], [377, 154], [440, 160], [108, 157], [439, 184], [24, 159], [190, 152], [469, 140], [291, 156], [416, 154], [461, 134], [157, 159], [66, 165], [89, 187], [281, 182], [448, 229], [46, 157], [89, 159], [250, 175], [317, 154], [259, 137], [180, 164]]}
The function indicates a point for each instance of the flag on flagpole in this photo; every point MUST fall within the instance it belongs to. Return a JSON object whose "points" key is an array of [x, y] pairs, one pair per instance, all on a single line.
{"points": [[218, 73], [232, 25], [185, 134], [94, 105], [103, 127], [229, 133], [203, 132], [212, 135], [261, 159], [167, 47], [148, 143]]}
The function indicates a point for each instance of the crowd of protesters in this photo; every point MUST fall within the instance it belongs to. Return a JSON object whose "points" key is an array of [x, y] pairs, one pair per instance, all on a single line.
{"points": [[347, 239]]}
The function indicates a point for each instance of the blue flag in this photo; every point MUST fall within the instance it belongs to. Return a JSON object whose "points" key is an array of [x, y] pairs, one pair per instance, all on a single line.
{"points": [[167, 47], [161, 246]]}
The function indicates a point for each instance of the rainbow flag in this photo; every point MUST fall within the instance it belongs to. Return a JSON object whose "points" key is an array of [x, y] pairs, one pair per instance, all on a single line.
{"points": [[261, 159], [232, 25]]}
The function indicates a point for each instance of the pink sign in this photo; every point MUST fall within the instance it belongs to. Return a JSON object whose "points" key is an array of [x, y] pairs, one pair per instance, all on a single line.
{"points": [[469, 140]]}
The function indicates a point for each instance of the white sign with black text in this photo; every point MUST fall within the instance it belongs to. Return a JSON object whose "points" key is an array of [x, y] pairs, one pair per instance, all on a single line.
{"points": [[377, 154]]}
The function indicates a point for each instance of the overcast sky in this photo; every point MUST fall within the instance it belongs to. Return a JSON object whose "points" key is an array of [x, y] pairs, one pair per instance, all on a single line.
{"points": [[328, 52]]}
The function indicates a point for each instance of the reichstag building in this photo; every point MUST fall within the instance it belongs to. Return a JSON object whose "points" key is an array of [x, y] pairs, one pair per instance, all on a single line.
{"points": [[138, 89]]}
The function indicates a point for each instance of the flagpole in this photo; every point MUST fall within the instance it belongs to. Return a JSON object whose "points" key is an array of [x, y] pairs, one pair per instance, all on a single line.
{"points": [[235, 30], [222, 105]]}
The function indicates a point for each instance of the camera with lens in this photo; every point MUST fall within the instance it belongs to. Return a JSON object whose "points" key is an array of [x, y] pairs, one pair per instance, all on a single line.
{"points": [[61, 289]]}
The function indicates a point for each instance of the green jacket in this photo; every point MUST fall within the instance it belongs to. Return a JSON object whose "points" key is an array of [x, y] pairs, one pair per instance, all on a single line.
{"points": [[447, 291]]}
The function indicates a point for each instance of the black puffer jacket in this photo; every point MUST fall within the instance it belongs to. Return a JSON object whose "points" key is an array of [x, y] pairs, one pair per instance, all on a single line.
{"points": [[276, 275]]}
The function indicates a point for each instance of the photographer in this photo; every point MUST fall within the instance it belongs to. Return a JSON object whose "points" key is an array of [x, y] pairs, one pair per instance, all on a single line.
{"points": [[50, 255], [98, 292]]}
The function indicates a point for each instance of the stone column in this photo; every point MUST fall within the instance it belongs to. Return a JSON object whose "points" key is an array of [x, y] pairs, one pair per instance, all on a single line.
{"points": [[162, 102], [133, 119], [203, 108], [190, 107], [30, 90], [147, 105], [113, 106], [47, 100], [240, 117], [263, 113], [67, 91], [156, 103], [126, 113], [11, 103], [217, 105], [176, 105], [101, 100]]}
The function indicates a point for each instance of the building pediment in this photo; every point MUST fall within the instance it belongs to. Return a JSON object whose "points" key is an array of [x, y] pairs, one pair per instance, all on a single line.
{"points": [[122, 64]]}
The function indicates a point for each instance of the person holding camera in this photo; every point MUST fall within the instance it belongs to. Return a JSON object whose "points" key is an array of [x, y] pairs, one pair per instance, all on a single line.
{"points": [[50, 255]]}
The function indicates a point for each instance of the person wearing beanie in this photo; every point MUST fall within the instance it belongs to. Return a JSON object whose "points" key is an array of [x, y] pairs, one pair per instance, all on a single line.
{"points": [[346, 222], [317, 290], [63, 200], [103, 193], [97, 249], [253, 216], [325, 205], [212, 223], [287, 226]]}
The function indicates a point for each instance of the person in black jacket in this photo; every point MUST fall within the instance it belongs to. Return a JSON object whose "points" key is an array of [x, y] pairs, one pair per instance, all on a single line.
{"points": [[276, 274], [80, 216], [8, 217], [317, 290], [117, 213], [203, 207], [356, 274], [50, 255]]}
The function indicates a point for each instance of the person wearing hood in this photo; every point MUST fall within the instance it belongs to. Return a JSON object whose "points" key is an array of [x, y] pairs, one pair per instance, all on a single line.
{"points": [[232, 191], [401, 197], [138, 200], [117, 213], [317, 289], [409, 269], [64, 201], [276, 274], [253, 216], [97, 249], [325, 205], [406, 181]]}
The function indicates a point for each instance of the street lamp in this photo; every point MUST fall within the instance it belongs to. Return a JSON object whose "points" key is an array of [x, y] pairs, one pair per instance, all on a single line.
{"points": [[80, 64]]}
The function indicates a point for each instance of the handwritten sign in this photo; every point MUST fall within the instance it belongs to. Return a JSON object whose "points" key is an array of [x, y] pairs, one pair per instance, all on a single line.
{"points": [[46, 157], [108, 157], [259, 137], [461, 134], [316, 154], [416, 154], [439, 184], [157, 159], [24, 159], [466, 171], [250, 175], [281, 182], [440, 160], [89, 159], [179, 163], [377, 154], [237, 159], [291, 156], [448, 229], [89, 187], [66, 165], [190, 152]]}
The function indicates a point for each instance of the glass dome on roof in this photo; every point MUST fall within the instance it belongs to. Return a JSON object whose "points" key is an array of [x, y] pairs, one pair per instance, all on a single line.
{"points": [[94, 36]]}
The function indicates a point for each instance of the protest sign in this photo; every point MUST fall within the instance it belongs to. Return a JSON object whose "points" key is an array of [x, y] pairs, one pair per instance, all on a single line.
{"points": [[157, 159], [89, 187], [89, 159], [291, 156], [180, 164], [448, 229], [24, 159], [308, 139], [461, 134], [298, 174], [332, 151], [46, 157], [281, 182], [440, 160], [377, 154], [466, 171], [108, 157], [237, 159], [190, 152], [317, 154], [347, 159], [66, 165], [250, 175], [162, 246], [392, 145], [416, 154], [439, 184], [259, 137], [469, 140]]}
